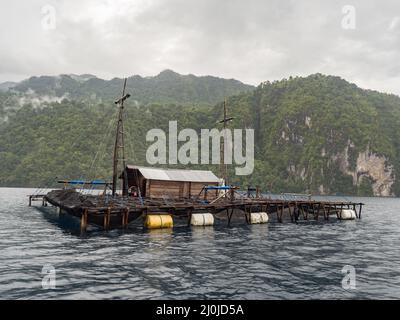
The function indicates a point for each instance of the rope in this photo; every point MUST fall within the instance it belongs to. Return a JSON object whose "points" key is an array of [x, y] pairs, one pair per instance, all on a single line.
{"points": [[92, 167], [92, 172], [41, 190], [130, 148], [73, 159]]}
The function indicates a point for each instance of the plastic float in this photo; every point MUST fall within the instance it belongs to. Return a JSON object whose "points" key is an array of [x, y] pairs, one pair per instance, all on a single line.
{"points": [[258, 217], [158, 221], [202, 219], [347, 214]]}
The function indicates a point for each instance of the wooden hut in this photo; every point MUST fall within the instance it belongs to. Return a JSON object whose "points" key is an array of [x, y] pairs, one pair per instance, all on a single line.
{"points": [[170, 183]]}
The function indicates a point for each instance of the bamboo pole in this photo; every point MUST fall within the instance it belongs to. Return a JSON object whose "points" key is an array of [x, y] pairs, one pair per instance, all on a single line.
{"points": [[84, 220], [106, 219], [290, 212]]}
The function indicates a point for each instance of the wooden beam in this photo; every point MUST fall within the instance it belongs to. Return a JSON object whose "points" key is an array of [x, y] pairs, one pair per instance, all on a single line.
{"points": [[84, 218]]}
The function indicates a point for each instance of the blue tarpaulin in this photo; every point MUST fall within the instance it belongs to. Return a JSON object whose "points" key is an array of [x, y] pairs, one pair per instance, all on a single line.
{"points": [[218, 187], [94, 182]]}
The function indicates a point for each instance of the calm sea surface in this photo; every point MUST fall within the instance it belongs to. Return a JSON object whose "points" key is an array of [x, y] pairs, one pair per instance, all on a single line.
{"points": [[272, 261]]}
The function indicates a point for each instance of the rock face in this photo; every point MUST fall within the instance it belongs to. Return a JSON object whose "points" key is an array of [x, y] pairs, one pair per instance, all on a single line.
{"points": [[376, 167], [368, 165]]}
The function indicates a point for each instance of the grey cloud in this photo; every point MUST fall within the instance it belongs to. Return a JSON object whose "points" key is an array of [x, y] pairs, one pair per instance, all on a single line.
{"points": [[251, 41]]}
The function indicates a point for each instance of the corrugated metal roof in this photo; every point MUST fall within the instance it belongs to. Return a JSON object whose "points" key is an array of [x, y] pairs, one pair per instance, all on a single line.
{"points": [[176, 174]]}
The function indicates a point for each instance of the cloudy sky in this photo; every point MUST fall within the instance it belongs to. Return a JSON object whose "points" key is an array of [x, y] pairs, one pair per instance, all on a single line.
{"points": [[253, 40]]}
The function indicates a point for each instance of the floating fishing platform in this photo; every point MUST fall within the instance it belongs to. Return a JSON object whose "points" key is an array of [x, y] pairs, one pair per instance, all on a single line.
{"points": [[195, 197], [118, 212]]}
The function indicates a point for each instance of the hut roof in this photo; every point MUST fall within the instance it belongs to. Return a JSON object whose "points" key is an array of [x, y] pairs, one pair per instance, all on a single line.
{"points": [[175, 174]]}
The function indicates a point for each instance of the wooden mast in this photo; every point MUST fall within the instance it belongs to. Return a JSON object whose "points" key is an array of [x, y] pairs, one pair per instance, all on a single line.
{"points": [[223, 166], [119, 148]]}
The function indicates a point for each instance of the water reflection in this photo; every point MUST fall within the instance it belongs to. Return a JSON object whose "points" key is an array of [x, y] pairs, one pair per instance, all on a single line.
{"points": [[288, 260], [202, 233]]}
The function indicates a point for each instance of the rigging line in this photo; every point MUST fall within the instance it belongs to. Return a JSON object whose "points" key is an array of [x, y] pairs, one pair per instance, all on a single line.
{"points": [[136, 175], [102, 143], [130, 148], [50, 180], [129, 155], [93, 167], [108, 128], [73, 159], [130, 139], [94, 164], [77, 140], [101, 150], [46, 186], [127, 137], [96, 154]]}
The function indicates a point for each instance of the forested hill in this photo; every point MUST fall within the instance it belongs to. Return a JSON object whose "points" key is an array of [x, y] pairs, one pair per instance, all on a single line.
{"points": [[166, 87], [324, 135], [317, 134]]}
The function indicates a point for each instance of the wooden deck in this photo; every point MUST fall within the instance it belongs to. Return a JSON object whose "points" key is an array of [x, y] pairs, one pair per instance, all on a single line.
{"points": [[118, 212]]}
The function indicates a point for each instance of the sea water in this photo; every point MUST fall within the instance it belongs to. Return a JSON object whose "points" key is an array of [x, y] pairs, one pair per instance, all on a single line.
{"points": [[43, 257]]}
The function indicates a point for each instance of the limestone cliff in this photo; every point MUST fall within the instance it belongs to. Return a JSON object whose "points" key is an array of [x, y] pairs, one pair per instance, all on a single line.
{"points": [[368, 165]]}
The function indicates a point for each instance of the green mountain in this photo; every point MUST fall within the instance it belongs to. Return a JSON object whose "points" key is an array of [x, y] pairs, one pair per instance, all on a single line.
{"points": [[321, 134], [167, 87], [5, 86], [317, 134]]}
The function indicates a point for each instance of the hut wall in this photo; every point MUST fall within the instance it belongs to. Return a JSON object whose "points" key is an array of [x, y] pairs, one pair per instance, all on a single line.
{"points": [[159, 189], [176, 189], [172, 189]]}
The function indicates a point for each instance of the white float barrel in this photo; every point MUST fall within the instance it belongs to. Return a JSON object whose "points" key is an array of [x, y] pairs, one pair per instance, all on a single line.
{"points": [[258, 217], [202, 219], [347, 214], [264, 217]]}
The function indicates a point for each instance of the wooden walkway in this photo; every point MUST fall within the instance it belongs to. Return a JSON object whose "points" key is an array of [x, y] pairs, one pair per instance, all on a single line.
{"points": [[118, 212]]}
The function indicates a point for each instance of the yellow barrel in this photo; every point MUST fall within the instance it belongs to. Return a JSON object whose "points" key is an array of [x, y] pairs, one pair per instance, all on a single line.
{"points": [[158, 221]]}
